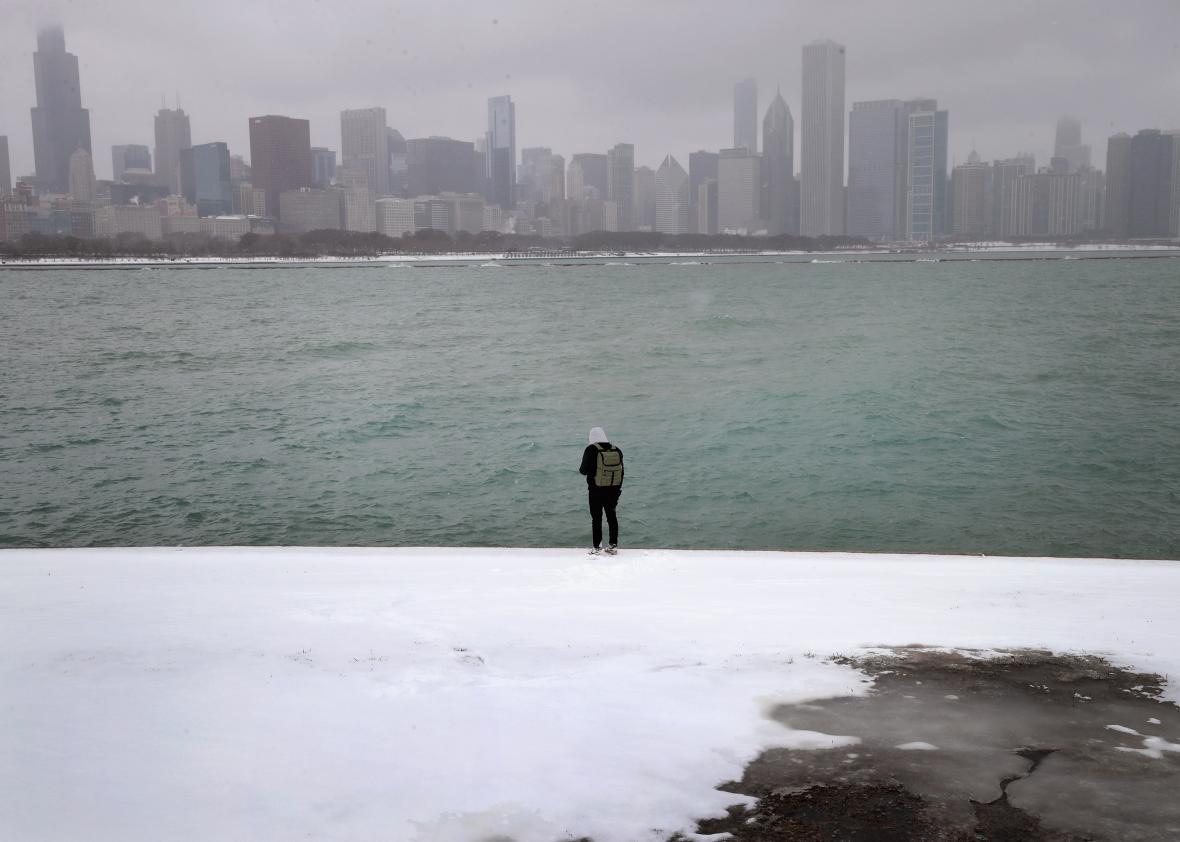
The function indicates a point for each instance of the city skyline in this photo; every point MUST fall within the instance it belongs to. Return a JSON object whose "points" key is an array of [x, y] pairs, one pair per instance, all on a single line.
{"points": [[999, 106]]}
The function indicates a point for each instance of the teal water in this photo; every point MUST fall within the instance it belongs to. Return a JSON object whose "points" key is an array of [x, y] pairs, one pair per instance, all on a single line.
{"points": [[1000, 408]]}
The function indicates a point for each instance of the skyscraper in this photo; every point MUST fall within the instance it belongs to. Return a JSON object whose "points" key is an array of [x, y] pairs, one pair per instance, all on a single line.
{"points": [[82, 176], [364, 145], [501, 151], [926, 159], [702, 166], [1068, 144], [877, 169], [971, 192], [280, 156], [621, 183], [1151, 178], [745, 114], [5, 167], [1004, 209], [1117, 209], [172, 134], [593, 166], [60, 124], [780, 201], [822, 200], [323, 166], [671, 197], [132, 156], [739, 191], [645, 199], [440, 165], [204, 178]]}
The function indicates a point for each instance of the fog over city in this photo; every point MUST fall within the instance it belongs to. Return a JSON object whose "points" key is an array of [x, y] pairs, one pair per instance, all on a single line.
{"points": [[586, 75]]}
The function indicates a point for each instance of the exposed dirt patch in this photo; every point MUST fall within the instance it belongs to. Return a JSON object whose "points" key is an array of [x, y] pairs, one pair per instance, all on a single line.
{"points": [[1029, 747]]}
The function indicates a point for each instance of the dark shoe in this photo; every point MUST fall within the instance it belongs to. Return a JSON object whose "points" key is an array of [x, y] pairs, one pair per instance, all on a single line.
{"points": [[612, 550]]}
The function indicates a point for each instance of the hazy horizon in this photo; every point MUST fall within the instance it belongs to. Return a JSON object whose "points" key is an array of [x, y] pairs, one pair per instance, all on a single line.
{"points": [[587, 75]]}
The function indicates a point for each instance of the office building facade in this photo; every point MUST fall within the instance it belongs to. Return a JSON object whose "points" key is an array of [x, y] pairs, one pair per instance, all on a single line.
{"points": [[204, 179], [780, 199], [440, 165], [173, 134], [501, 152], [280, 157], [131, 156], [822, 140], [745, 115], [364, 145], [621, 183], [60, 124]]}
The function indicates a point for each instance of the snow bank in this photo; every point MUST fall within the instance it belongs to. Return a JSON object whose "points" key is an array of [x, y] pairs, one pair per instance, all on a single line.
{"points": [[453, 695]]}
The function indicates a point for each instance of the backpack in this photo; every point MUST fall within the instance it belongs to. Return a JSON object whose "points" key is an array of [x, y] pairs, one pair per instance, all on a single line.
{"points": [[610, 468]]}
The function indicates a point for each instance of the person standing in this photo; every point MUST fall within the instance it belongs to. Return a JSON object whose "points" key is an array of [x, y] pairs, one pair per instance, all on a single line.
{"points": [[602, 465]]}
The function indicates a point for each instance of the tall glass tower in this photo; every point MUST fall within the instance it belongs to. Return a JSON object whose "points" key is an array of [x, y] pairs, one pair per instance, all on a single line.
{"points": [[501, 151], [822, 140], [61, 125]]}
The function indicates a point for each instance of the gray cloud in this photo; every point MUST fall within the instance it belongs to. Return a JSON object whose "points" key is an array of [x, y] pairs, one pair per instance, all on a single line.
{"points": [[586, 75]]}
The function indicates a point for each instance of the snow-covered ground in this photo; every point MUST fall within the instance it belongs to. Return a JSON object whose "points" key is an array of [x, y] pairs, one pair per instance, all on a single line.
{"points": [[457, 695]]}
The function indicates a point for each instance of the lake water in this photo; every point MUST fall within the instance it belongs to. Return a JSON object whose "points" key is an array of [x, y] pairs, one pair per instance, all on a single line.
{"points": [[1003, 408]]}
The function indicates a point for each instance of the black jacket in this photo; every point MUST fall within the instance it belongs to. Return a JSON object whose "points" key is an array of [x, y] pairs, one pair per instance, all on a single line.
{"points": [[589, 466]]}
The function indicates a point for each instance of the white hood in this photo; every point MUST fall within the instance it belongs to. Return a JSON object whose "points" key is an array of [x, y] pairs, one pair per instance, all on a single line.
{"points": [[598, 436]]}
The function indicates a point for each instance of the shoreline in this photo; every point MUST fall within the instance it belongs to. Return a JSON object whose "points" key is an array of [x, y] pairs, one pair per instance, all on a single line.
{"points": [[524, 693], [997, 252]]}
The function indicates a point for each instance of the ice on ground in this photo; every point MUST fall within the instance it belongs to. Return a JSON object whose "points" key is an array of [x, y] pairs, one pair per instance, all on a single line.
{"points": [[917, 745], [439, 695]]}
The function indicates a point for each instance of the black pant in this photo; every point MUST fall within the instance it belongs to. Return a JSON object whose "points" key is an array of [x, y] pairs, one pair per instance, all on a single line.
{"points": [[604, 500]]}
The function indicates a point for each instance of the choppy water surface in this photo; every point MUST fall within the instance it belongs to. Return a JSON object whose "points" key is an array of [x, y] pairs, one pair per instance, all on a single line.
{"points": [[1000, 408]]}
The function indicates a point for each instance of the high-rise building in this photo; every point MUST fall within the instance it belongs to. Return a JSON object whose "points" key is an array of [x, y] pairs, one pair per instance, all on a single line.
{"points": [[1068, 144], [575, 182], [745, 114], [173, 134], [1047, 204], [131, 156], [364, 145], [739, 191], [645, 198], [358, 208], [395, 217], [877, 169], [702, 166], [671, 198], [280, 157], [204, 178], [307, 209], [971, 198], [534, 174], [1151, 179], [822, 146], [1004, 208], [323, 166], [926, 159], [594, 168], [621, 183], [82, 176], [5, 167], [780, 200], [399, 166], [440, 165], [60, 124], [501, 151], [1117, 206], [706, 207]]}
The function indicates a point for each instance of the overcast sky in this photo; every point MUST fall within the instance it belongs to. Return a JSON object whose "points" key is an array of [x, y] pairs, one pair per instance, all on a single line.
{"points": [[586, 74]]}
